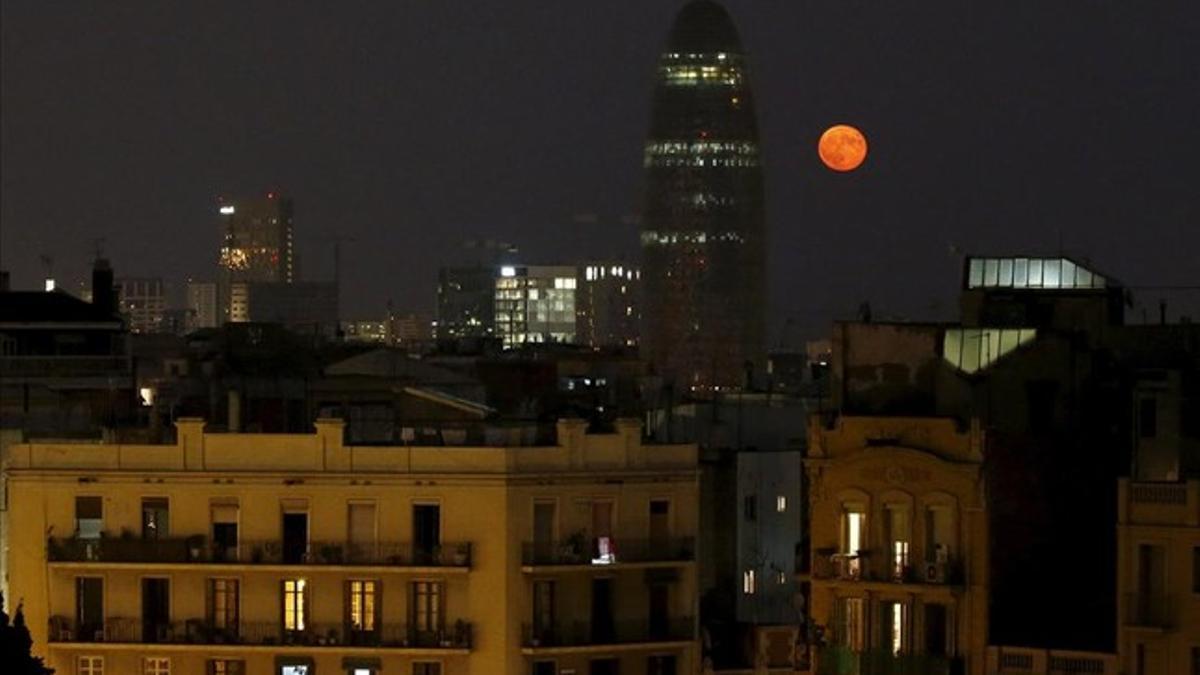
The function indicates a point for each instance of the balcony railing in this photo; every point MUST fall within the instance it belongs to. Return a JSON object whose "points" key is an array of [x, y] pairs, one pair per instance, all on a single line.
{"points": [[63, 366], [1001, 660], [865, 567], [197, 549], [119, 630], [837, 660], [583, 633], [1149, 611], [608, 551]]}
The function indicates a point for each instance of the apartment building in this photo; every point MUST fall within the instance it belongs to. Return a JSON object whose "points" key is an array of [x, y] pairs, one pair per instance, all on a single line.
{"points": [[899, 545], [296, 554]]}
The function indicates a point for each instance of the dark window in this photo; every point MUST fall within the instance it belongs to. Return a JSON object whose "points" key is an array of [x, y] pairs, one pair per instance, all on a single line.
{"points": [[603, 667], [427, 535], [603, 629], [1148, 417], [1195, 660], [543, 610], [660, 665], [295, 537], [659, 612], [935, 630], [89, 608], [426, 668], [750, 507], [156, 610], [544, 668]]}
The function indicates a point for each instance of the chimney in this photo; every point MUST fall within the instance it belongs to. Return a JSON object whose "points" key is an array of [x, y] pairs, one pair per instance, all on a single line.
{"points": [[104, 295]]}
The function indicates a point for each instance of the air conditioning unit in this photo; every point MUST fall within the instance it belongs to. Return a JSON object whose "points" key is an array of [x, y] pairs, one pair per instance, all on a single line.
{"points": [[935, 573]]}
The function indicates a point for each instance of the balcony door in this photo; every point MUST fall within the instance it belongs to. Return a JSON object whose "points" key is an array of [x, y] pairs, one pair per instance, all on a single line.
{"points": [[89, 608], [659, 619], [543, 530], [156, 609], [543, 611], [603, 628], [936, 626], [660, 527], [427, 533], [224, 532], [223, 606], [603, 547], [155, 518], [295, 536]]}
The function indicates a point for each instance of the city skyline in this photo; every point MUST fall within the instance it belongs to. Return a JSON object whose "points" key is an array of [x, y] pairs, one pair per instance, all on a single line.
{"points": [[1034, 138]]}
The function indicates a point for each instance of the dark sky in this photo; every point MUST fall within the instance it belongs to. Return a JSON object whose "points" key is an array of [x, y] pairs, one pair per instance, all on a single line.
{"points": [[996, 127]]}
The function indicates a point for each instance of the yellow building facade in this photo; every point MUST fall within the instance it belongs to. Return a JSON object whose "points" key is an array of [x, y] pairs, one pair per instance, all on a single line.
{"points": [[899, 545], [233, 554], [1158, 577]]}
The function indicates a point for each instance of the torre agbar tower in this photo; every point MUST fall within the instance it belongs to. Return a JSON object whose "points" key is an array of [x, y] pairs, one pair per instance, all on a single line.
{"points": [[703, 239]]}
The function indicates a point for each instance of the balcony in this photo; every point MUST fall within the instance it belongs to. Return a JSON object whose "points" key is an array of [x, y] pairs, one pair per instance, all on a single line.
{"points": [[607, 551], [1026, 661], [197, 550], [862, 566], [575, 634], [1149, 611], [63, 366], [838, 660], [1174, 504], [126, 631]]}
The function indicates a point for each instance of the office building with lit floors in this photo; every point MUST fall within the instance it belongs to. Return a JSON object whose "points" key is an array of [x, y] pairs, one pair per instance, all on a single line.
{"points": [[899, 546], [703, 234], [296, 554]]}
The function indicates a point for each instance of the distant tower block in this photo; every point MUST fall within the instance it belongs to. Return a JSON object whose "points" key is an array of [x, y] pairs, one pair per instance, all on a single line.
{"points": [[703, 234]]}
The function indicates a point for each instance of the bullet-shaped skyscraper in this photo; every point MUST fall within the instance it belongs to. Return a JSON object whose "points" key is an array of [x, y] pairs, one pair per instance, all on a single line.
{"points": [[703, 235]]}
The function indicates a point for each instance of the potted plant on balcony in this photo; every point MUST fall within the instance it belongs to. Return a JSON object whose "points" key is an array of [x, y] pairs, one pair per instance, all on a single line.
{"points": [[576, 547], [195, 547]]}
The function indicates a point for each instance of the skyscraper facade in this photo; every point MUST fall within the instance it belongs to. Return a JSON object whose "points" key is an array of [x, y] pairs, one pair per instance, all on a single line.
{"points": [[703, 234], [256, 244]]}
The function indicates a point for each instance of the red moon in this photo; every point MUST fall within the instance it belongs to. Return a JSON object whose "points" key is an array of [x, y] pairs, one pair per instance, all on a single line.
{"points": [[842, 148]]}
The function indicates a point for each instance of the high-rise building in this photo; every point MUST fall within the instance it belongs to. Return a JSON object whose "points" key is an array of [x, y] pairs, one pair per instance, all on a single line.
{"points": [[256, 244], [608, 305], [296, 554], [466, 302], [202, 305], [143, 303], [535, 303], [703, 235]]}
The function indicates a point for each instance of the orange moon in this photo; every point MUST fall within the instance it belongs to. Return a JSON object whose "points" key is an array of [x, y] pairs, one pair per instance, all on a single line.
{"points": [[842, 148]]}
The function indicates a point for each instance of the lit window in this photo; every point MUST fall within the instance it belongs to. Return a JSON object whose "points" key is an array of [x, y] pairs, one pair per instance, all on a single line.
{"points": [[781, 503], [156, 665], [748, 582], [226, 667], [294, 605], [363, 607], [89, 665]]}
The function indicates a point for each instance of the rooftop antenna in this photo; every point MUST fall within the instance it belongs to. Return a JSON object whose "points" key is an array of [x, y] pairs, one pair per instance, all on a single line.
{"points": [[97, 247]]}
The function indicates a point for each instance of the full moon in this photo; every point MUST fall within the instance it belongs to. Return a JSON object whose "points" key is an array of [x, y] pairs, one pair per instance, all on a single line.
{"points": [[842, 148]]}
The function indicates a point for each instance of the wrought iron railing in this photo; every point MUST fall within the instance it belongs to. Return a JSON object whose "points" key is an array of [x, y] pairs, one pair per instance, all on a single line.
{"points": [[123, 630], [584, 633], [608, 550], [197, 549]]}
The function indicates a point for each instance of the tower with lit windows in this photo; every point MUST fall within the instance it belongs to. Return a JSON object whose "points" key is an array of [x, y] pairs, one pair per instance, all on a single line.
{"points": [[703, 238], [256, 246]]}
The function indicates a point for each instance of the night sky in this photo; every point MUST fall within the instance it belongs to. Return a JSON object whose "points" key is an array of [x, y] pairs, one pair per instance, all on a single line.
{"points": [[1014, 126]]}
